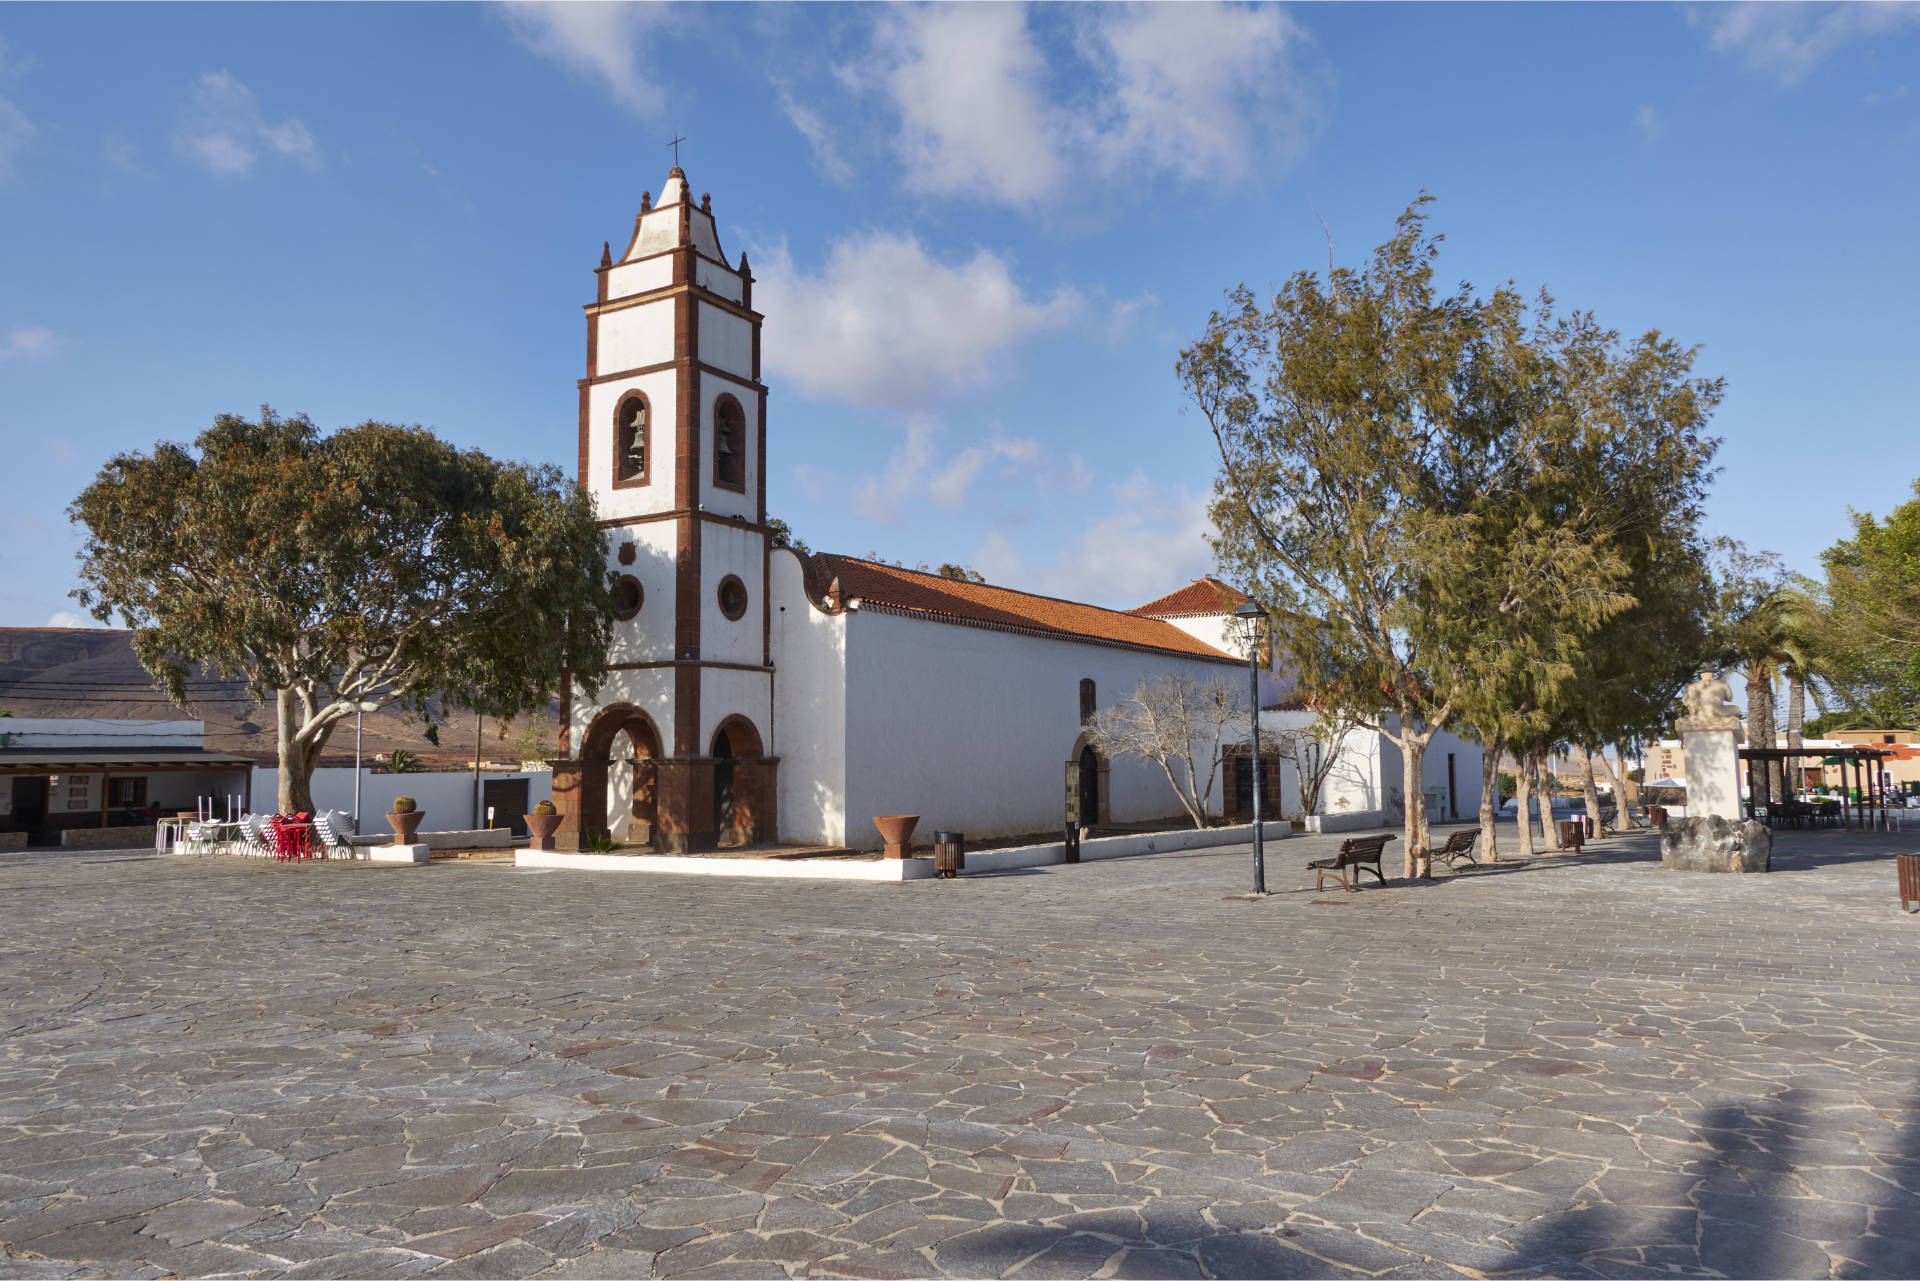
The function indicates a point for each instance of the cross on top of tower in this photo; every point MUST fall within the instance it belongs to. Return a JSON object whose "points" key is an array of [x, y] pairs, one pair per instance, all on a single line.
{"points": [[675, 144]]}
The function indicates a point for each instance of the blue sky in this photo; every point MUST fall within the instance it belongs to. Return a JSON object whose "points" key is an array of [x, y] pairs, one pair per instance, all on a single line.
{"points": [[981, 235]]}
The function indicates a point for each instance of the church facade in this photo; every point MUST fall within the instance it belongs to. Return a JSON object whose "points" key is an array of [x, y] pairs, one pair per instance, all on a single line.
{"points": [[756, 694]]}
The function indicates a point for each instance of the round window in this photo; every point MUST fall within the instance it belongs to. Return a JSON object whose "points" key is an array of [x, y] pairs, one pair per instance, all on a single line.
{"points": [[627, 597], [733, 597]]}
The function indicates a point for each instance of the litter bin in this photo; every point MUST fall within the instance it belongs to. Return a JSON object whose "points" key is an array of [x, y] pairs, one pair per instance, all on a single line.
{"points": [[949, 853], [1572, 834], [1657, 816]]}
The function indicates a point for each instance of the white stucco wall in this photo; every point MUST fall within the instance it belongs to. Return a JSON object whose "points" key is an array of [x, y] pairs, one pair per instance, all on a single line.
{"points": [[717, 278], [726, 340], [808, 729], [724, 550], [972, 728], [726, 692], [648, 635], [639, 277], [632, 337], [445, 795]]}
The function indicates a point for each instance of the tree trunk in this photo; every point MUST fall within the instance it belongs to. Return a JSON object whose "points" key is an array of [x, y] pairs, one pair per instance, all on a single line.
{"points": [[297, 758], [1413, 754], [1589, 792], [1544, 775], [1523, 799], [1628, 789], [1796, 720], [1760, 719], [1490, 799]]}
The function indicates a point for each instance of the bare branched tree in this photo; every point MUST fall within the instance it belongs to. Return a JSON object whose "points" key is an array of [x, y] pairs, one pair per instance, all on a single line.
{"points": [[1179, 723], [1314, 749]]}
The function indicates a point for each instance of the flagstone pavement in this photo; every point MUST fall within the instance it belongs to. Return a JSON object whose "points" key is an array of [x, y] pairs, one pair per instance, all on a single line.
{"points": [[1582, 1067]]}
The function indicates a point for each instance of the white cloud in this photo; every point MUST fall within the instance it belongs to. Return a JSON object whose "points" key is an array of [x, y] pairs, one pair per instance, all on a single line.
{"points": [[15, 130], [1648, 122], [28, 342], [1790, 39], [1153, 540], [968, 82], [602, 39], [224, 132], [1189, 88], [1202, 91], [827, 157], [949, 487], [883, 323], [882, 497]]}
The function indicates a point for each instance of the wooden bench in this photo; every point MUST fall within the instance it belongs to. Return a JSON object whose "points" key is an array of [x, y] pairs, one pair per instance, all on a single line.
{"points": [[1459, 846], [1356, 853]]}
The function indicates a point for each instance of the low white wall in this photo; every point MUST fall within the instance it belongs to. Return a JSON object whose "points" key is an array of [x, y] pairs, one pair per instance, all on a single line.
{"points": [[445, 795], [1101, 847], [1348, 822], [824, 869]]}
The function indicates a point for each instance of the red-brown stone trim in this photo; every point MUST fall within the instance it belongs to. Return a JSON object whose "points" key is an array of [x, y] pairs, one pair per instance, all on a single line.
{"points": [[672, 290], [658, 663], [1070, 638], [677, 513], [645, 476], [742, 737], [662, 367]]}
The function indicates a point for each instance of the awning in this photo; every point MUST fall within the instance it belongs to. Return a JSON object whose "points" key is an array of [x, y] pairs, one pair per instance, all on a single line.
{"points": [[117, 760]]}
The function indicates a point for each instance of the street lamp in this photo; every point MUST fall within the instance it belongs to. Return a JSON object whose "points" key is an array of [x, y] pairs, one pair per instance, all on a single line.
{"points": [[1248, 619]]}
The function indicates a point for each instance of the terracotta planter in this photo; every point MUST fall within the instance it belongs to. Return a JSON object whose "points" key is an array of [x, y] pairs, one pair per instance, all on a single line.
{"points": [[897, 831], [405, 825], [540, 828]]}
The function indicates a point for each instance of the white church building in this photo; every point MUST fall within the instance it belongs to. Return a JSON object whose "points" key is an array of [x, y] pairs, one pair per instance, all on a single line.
{"points": [[756, 694]]}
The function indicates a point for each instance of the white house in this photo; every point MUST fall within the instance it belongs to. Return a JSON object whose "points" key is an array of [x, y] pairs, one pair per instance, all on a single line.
{"points": [[757, 694]]}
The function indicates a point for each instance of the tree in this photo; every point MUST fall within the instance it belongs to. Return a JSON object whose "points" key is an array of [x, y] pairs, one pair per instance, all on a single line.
{"points": [[376, 566], [780, 534], [1314, 749], [960, 574], [1423, 485], [1869, 632], [1177, 722]]}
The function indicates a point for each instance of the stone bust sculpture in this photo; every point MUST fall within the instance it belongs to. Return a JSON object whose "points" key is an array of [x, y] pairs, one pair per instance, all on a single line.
{"points": [[1709, 704]]}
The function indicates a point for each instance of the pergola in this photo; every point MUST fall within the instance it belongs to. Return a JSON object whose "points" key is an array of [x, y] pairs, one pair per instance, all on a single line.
{"points": [[1864, 762]]}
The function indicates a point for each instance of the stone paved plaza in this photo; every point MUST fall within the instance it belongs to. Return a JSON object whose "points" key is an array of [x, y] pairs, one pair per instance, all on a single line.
{"points": [[1582, 1067]]}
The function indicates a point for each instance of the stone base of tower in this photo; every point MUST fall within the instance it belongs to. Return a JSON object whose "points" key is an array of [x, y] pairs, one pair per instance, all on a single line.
{"points": [[687, 802]]}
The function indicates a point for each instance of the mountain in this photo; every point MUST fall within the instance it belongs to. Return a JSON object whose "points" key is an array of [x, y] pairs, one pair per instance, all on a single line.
{"points": [[91, 672]]}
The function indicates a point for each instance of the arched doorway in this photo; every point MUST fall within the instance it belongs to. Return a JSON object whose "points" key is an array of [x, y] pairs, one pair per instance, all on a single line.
{"points": [[617, 775], [1089, 784], [723, 809], [742, 782], [1087, 770]]}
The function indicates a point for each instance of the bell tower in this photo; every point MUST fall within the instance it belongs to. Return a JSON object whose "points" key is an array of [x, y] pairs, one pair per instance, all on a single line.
{"points": [[673, 452]]}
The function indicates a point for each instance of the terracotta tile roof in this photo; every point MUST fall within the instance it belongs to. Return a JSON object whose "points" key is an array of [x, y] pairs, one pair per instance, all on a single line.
{"points": [[917, 593], [1207, 595]]}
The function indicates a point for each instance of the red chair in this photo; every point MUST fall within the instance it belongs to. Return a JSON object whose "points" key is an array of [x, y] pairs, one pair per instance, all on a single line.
{"points": [[292, 838]]}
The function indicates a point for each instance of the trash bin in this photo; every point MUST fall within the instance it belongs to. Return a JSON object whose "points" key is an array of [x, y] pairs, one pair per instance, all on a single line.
{"points": [[949, 853], [1657, 816], [1572, 834]]}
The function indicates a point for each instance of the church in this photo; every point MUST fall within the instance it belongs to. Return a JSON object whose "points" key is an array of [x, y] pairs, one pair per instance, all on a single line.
{"points": [[759, 695]]}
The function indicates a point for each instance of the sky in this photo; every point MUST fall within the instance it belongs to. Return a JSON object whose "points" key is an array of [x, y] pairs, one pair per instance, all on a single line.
{"points": [[981, 236]]}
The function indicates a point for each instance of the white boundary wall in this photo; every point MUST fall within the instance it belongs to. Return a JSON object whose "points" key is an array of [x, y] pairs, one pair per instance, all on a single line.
{"points": [[900, 869], [445, 795]]}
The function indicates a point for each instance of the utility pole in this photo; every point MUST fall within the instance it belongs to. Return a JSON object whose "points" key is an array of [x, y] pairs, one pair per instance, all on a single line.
{"points": [[476, 771]]}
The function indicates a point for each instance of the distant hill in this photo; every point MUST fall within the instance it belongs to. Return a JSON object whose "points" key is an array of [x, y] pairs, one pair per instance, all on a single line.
{"points": [[81, 671]]}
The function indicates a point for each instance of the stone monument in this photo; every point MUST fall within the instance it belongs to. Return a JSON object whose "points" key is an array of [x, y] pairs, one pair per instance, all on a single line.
{"points": [[1712, 837]]}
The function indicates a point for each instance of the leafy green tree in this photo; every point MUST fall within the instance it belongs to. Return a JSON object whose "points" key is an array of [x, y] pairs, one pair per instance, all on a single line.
{"points": [[960, 574], [780, 534], [1439, 492], [375, 566], [1868, 630]]}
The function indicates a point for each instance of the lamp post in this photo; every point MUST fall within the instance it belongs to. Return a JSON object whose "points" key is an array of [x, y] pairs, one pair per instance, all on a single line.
{"points": [[1249, 617]]}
